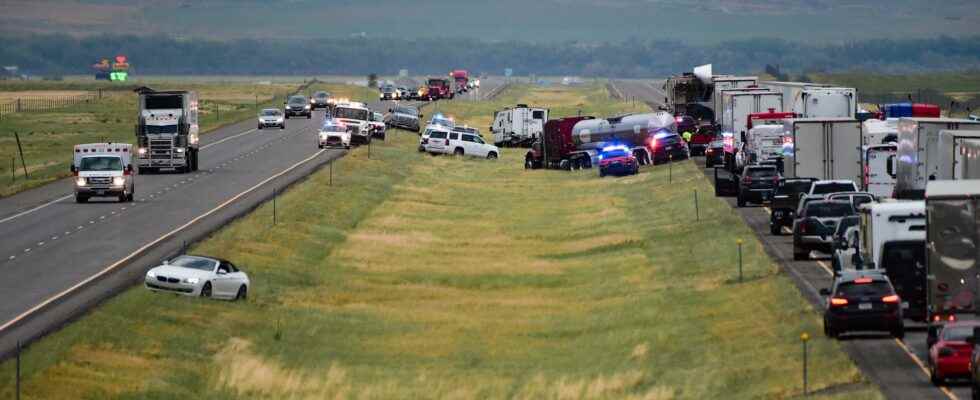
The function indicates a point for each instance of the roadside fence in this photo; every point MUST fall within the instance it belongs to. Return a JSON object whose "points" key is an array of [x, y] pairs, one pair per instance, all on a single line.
{"points": [[44, 102]]}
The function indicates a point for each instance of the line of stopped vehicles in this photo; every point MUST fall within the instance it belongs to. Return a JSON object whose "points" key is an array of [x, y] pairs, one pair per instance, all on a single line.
{"points": [[890, 195]]}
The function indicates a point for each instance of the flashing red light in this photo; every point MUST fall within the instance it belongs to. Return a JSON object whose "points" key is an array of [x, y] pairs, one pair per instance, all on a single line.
{"points": [[787, 140], [838, 301], [862, 280], [893, 299]]}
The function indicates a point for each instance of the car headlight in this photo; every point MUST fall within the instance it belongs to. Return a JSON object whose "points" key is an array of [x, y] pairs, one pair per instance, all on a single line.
{"points": [[118, 181], [323, 135], [192, 281], [80, 181], [307, 107], [180, 149], [151, 274], [141, 151], [192, 139]]}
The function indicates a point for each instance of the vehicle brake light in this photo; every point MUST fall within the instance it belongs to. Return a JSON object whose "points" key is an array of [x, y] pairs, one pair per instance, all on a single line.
{"points": [[867, 175], [862, 280], [838, 301], [747, 179], [893, 299]]}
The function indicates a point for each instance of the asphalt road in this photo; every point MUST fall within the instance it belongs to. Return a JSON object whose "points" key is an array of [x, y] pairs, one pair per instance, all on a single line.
{"points": [[59, 258]]}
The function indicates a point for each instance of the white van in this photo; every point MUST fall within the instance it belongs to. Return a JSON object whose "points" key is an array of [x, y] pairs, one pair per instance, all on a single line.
{"points": [[103, 170]]}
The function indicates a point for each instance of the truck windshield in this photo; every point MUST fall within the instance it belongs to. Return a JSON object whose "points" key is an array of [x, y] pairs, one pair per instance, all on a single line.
{"points": [[169, 102], [406, 110], [351, 113], [333, 128], [435, 82], [793, 187], [107, 163]]}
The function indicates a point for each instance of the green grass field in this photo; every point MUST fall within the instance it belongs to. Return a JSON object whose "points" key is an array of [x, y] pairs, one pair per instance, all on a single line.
{"points": [[414, 276], [47, 137]]}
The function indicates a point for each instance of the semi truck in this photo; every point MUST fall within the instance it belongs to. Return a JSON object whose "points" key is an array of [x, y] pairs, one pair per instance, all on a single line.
{"points": [[952, 235], [690, 94], [103, 170], [823, 148], [439, 88], [575, 142], [918, 152], [518, 126], [738, 105], [462, 79], [167, 130], [813, 100]]}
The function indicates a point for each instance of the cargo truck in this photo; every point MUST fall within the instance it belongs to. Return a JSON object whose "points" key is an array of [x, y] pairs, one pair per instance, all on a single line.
{"points": [[823, 148], [575, 142], [103, 170], [439, 88], [766, 136], [918, 152], [879, 169], [738, 105], [893, 239], [812, 100], [167, 130], [952, 235], [518, 126], [727, 82]]}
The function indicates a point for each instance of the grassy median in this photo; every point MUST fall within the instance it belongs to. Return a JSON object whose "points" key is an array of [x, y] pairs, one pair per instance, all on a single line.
{"points": [[47, 136], [414, 276]]}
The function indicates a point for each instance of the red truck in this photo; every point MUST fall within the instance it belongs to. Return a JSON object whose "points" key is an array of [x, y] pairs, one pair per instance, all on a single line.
{"points": [[462, 79], [440, 88]]}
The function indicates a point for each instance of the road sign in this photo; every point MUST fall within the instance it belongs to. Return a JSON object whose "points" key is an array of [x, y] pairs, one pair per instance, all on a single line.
{"points": [[508, 72]]}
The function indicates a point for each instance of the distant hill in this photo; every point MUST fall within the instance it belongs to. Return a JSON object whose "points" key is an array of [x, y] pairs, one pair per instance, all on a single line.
{"points": [[696, 22]]}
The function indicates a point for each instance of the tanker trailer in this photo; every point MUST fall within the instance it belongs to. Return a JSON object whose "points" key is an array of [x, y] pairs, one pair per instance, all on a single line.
{"points": [[567, 146]]}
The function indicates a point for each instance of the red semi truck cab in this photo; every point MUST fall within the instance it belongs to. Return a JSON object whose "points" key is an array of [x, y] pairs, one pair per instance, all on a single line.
{"points": [[439, 88], [555, 144], [462, 79]]}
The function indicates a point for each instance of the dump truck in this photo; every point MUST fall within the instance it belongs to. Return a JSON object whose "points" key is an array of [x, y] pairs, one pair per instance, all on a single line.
{"points": [[690, 94], [167, 130], [575, 142], [918, 152]]}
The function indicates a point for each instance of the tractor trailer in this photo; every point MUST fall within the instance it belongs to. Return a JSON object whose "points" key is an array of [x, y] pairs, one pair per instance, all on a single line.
{"points": [[575, 142], [167, 130]]}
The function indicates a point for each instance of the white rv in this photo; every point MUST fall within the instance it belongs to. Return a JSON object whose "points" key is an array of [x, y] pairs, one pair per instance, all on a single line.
{"points": [[518, 126]]}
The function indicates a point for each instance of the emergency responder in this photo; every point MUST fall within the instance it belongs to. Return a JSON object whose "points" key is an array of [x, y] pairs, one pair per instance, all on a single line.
{"points": [[687, 136]]}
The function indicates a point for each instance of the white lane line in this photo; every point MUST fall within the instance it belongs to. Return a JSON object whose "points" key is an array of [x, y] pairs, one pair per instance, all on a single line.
{"points": [[12, 257], [228, 138], [35, 208], [54, 238], [116, 264], [27, 250], [901, 345], [39, 244]]}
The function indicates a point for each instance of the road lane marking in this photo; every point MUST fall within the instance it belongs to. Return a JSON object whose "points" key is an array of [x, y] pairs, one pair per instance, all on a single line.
{"points": [[35, 208], [143, 248], [253, 130]]}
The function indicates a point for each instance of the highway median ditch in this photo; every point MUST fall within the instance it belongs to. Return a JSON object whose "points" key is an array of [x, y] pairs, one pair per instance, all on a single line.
{"points": [[405, 275]]}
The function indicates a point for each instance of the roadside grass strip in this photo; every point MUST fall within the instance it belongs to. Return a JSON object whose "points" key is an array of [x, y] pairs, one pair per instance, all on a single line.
{"points": [[414, 276]]}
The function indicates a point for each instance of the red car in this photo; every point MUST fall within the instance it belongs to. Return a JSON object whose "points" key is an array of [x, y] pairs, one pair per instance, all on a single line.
{"points": [[617, 160], [950, 356]]}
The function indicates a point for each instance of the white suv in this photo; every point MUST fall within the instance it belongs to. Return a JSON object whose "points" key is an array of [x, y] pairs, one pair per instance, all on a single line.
{"points": [[462, 143], [424, 136]]}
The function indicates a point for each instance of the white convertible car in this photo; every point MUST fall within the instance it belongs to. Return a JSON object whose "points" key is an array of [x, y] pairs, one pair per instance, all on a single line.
{"points": [[199, 276]]}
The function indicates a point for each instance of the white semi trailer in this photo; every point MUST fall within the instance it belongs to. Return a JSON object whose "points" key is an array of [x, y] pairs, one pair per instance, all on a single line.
{"points": [[824, 148], [918, 152], [814, 100]]}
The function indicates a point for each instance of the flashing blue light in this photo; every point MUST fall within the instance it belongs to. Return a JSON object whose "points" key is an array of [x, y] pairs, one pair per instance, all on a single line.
{"points": [[615, 147]]}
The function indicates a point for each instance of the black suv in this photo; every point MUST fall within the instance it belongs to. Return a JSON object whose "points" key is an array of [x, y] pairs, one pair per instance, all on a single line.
{"points": [[757, 184], [862, 301], [785, 199], [814, 225], [298, 106]]}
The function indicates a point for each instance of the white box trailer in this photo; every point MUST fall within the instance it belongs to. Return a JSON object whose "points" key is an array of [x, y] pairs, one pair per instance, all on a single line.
{"points": [[518, 126], [735, 118], [824, 148], [918, 152], [719, 96], [956, 149], [729, 82], [876, 131], [815, 100], [879, 169]]}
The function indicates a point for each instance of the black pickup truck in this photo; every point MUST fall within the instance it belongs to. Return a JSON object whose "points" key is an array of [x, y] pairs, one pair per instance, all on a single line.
{"points": [[785, 200]]}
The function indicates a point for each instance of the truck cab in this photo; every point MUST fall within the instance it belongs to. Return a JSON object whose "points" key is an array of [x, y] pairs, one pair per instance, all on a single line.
{"points": [[103, 170], [462, 79], [439, 88], [167, 130], [357, 118]]}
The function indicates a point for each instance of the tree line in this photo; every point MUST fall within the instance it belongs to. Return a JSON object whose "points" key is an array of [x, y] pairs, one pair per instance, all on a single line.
{"points": [[63, 54]]}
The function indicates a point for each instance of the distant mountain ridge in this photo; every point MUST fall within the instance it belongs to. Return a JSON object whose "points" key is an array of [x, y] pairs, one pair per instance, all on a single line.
{"points": [[697, 22]]}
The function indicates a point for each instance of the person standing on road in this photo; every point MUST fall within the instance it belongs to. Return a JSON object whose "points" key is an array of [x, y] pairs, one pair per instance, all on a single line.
{"points": [[687, 136]]}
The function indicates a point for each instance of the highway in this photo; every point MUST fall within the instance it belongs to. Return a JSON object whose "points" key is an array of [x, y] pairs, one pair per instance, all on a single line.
{"points": [[898, 367], [59, 258]]}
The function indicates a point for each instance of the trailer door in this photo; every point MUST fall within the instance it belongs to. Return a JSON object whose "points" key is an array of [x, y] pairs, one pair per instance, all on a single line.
{"points": [[845, 150], [880, 170], [822, 103], [809, 149]]}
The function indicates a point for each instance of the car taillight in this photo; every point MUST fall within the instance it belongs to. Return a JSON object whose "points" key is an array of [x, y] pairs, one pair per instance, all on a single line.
{"points": [[893, 299], [838, 301], [949, 318], [747, 179]]}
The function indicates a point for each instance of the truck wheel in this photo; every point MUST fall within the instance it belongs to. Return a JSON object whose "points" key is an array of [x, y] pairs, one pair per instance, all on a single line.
{"points": [[123, 197], [130, 196], [587, 163], [458, 152], [195, 161], [283, 126], [491, 156], [799, 255], [775, 229], [575, 165], [310, 115], [528, 163], [287, 116], [260, 127]]}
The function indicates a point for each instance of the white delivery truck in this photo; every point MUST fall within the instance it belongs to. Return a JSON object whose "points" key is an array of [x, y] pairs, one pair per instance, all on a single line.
{"points": [[815, 100], [823, 148], [918, 152], [952, 153], [103, 170], [728, 82], [893, 238], [879, 169], [735, 119], [725, 95], [876, 131], [518, 126]]}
